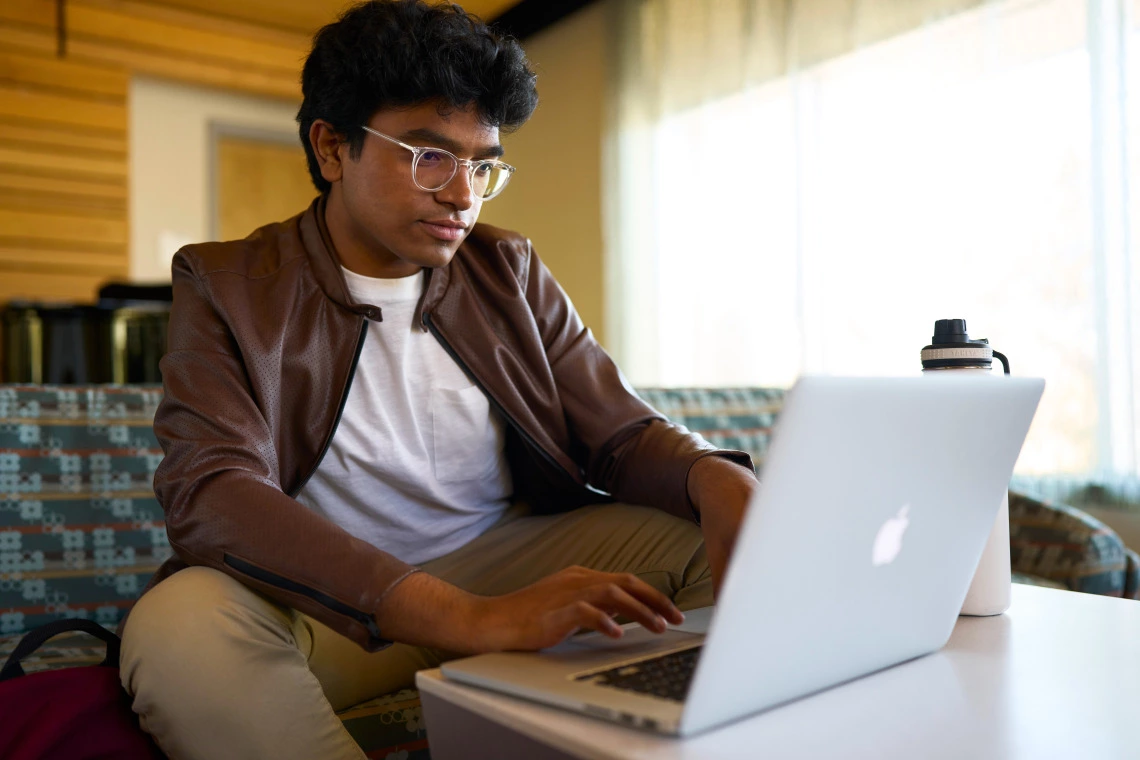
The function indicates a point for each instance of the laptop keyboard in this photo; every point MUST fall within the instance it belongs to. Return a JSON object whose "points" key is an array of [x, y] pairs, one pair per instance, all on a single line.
{"points": [[667, 676]]}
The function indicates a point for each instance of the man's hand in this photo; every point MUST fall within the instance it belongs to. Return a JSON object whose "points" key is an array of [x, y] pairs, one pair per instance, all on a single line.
{"points": [[720, 490], [571, 600], [425, 611]]}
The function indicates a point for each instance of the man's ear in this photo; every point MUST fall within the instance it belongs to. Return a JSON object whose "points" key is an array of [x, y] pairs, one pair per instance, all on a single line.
{"points": [[327, 148]]}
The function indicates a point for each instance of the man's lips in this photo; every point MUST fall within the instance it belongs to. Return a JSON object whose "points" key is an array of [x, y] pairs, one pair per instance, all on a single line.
{"points": [[444, 229]]}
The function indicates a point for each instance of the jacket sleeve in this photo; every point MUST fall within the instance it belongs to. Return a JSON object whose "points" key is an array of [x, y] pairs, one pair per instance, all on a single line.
{"points": [[218, 485], [626, 448]]}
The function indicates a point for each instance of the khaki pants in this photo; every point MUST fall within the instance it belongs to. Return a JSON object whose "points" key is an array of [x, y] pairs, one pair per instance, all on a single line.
{"points": [[219, 671]]}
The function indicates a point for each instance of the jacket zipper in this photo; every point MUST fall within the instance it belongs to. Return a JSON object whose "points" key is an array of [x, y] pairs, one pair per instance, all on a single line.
{"points": [[510, 420], [339, 411], [273, 579]]}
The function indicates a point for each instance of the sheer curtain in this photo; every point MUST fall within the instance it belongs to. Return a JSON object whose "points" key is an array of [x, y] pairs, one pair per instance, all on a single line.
{"points": [[806, 186]]}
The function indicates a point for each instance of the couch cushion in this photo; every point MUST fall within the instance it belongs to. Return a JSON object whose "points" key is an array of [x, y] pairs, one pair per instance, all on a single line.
{"points": [[81, 534], [1067, 546], [80, 530], [729, 418]]}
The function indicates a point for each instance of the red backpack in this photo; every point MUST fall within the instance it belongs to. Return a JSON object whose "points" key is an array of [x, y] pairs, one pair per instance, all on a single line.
{"points": [[71, 714]]}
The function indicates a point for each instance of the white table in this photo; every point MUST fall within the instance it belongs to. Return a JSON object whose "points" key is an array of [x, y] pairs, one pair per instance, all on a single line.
{"points": [[1058, 676]]}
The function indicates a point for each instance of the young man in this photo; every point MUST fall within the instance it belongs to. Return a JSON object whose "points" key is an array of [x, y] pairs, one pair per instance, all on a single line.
{"points": [[389, 438]]}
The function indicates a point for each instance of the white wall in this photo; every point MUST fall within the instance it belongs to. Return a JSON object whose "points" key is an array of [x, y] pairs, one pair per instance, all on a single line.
{"points": [[171, 172]]}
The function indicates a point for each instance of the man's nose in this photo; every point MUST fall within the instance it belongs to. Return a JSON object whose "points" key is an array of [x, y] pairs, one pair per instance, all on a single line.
{"points": [[458, 192]]}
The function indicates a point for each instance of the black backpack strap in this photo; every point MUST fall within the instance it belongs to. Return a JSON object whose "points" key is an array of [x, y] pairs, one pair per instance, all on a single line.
{"points": [[34, 639]]}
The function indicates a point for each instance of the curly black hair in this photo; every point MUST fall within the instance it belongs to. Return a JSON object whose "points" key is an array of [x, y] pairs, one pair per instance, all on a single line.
{"points": [[395, 53]]}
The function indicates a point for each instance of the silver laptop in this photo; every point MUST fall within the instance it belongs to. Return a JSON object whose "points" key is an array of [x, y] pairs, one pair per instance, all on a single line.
{"points": [[876, 501]]}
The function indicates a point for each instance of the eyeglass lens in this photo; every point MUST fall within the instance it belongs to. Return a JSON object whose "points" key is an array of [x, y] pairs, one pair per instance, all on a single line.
{"points": [[435, 169]]}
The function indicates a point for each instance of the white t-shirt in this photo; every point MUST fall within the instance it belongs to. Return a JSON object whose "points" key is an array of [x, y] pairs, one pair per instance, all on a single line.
{"points": [[416, 466]]}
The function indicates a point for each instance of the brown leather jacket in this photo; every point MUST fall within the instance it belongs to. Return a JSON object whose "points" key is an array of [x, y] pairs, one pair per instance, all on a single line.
{"points": [[264, 340]]}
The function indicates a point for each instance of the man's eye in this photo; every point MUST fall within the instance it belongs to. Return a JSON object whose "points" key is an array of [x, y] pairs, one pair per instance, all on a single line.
{"points": [[484, 168], [432, 157]]}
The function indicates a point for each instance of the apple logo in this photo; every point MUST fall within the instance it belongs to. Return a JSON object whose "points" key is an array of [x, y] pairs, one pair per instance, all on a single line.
{"points": [[888, 541]]}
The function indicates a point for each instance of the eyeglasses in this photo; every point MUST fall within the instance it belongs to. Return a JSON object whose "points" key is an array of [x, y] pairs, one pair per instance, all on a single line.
{"points": [[433, 168]]}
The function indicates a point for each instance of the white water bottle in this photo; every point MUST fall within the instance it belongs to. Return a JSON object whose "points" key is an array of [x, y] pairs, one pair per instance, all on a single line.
{"points": [[951, 350]]}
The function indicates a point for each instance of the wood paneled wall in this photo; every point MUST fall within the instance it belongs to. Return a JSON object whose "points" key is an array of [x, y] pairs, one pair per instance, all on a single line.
{"points": [[63, 124]]}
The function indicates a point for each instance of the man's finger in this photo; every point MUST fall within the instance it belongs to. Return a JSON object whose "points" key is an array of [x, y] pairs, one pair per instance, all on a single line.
{"points": [[581, 616], [654, 599], [592, 617], [615, 600]]}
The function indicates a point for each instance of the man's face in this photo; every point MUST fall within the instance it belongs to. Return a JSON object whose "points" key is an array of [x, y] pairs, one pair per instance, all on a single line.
{"points": [[381, 223]]}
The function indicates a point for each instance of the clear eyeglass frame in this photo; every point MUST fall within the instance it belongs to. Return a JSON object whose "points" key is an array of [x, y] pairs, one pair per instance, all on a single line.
{"points": [[472, 165]]}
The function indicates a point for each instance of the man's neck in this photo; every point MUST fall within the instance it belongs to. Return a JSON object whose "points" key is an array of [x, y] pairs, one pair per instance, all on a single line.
{"points": [[353, 250]]}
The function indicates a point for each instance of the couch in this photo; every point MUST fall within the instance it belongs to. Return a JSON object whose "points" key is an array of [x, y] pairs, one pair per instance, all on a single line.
{"points": [[81, 532]]}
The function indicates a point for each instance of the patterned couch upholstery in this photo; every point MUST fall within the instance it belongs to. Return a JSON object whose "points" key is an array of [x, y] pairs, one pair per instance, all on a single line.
{"points": [[1058, 545], [81, 532]]}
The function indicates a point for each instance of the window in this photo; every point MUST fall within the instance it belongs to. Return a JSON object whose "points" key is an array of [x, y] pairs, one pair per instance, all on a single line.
{"points": [[822, 222]]}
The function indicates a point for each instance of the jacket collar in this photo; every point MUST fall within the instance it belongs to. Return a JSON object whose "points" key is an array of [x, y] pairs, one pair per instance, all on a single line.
{"points": [[323, 261]]}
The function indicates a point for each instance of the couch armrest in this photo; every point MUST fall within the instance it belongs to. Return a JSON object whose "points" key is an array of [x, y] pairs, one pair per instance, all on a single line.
{"points": [[1063, 544]]}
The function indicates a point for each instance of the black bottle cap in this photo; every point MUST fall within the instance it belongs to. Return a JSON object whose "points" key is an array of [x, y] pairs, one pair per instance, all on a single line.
{"points": [[950, 331]]}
